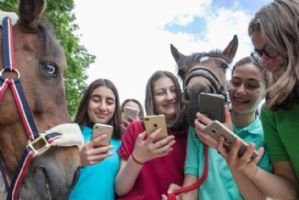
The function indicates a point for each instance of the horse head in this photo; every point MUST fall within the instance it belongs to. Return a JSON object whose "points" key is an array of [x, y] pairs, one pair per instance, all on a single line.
{"points": [[203, 72], [40, 62]]}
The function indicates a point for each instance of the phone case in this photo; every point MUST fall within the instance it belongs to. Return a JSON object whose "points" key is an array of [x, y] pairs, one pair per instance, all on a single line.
{"points": [[152, 122], [212, 105], [99, 129], [217, 129], [130, 112]]}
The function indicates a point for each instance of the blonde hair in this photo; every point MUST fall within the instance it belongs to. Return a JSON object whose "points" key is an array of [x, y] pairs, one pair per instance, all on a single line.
{"points": [[278, 23]]}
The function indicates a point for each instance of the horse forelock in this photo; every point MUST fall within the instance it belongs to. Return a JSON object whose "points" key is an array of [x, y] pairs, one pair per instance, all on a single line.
{"points": [[49, 43]]}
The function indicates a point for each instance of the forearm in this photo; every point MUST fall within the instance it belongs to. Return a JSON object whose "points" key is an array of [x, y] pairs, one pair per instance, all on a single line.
{"points": [[192, 195], [274, 186], [247, 188], [127, 176]]}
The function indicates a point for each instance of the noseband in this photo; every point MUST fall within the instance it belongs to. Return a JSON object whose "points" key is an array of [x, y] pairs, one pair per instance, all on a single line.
{"points": [[38, 143], [209, 75]]}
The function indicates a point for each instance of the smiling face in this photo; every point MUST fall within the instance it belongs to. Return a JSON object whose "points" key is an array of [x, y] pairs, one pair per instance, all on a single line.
{"points": [[246, 88], [101, 106], [165, 97], [269, 59]]}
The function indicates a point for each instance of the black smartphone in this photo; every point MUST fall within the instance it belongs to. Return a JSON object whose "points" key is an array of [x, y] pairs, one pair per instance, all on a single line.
{"points": [[212, 105]]}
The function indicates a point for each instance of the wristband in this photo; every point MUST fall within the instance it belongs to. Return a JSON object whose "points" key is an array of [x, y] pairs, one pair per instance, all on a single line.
{"points": [[136, 161]]}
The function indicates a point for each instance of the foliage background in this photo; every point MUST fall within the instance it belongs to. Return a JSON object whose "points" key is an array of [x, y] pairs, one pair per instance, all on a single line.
{"points": [[60, 14]]}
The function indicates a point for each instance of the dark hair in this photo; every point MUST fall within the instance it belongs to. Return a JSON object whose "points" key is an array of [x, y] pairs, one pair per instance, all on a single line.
{"points": [[82, 117], [122, 107], [267, 77], [149, 97]]}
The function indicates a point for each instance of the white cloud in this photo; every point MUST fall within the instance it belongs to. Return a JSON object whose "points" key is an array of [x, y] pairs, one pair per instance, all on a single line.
{"points": [[129, 42]]}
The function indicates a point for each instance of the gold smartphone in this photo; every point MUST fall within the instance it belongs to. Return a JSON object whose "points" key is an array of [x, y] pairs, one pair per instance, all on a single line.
{"points": [[99, 129], [152, 122], [217, 129], [212, 105]]}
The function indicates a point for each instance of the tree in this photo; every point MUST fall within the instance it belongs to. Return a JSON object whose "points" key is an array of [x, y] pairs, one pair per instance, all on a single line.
{"points": [[60, 14]]}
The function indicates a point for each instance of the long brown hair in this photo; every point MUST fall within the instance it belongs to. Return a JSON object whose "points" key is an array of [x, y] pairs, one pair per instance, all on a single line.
{"points": [[149, 97], [82, 117], [278, 23]]}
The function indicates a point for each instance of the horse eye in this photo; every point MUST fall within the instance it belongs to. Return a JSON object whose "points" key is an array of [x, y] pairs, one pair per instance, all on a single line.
{"points": [[223, 66], [49, 70], [181, 73]]}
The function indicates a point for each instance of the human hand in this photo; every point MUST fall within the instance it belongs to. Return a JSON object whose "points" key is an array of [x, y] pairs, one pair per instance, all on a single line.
{"points": [[244, 164], [172, 187], [126, 122], [147, 149], [92, 153], [202, 121]]}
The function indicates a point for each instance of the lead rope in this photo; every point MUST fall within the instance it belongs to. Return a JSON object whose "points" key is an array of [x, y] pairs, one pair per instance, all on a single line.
{"points": [[172, 196]]}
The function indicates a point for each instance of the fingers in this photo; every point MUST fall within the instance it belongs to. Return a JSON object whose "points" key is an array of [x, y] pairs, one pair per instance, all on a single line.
{"points": [[199, 126], [97, 141], [97, 158], [227, 117], [203, 119]]}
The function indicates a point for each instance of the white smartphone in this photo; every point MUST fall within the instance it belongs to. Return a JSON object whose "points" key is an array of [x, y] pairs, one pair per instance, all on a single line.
{"points": [[99, 129], [131, 112], [152, 122], [212, 105], [217, 129]]}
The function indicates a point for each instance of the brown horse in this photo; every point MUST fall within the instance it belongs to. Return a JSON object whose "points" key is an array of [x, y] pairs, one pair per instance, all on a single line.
{"points": [[203, 72], [41, 63]]}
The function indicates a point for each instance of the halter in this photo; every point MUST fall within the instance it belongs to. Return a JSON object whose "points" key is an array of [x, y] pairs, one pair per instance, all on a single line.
{"points": [[38, 143]]}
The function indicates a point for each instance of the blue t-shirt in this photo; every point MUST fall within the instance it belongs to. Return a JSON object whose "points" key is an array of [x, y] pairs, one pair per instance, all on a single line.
{"points": [[220, 183], [97, 181]]}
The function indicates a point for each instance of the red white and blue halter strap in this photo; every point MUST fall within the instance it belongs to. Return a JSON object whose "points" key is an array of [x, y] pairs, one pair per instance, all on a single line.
{"points": [[24, 111]]}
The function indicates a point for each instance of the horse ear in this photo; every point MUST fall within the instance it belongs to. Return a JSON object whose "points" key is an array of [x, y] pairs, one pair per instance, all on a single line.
{"points": [[230, 51], [30, 13], [175, 53]]}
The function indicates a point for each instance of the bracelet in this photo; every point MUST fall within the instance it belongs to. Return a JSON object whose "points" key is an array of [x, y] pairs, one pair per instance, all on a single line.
{"points": [[135, 160]]}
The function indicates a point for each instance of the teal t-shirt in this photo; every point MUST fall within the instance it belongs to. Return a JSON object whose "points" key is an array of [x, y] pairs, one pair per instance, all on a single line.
{"points": [[282, 135], [97, 181], [220, 183]]}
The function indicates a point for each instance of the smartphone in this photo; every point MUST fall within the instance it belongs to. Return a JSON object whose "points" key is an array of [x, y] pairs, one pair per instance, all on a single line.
{"points": [[212, 105], [217, 129], [131, 112], [152, 122], [99, 129]]}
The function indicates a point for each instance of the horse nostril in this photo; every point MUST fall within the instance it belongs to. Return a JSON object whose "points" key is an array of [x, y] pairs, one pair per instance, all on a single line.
{"points": [[76, 177]]}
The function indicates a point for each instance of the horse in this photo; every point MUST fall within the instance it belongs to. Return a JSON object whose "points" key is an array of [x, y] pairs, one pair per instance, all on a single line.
{"points": [[203, 72], [39, 63]]}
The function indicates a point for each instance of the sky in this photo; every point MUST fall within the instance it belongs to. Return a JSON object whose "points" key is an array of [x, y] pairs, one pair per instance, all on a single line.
{"points": [[131, 39]]}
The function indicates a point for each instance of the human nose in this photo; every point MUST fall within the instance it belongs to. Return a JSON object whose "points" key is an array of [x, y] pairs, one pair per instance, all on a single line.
{"points": [[241, 89], [170, 95], [102, 105]]}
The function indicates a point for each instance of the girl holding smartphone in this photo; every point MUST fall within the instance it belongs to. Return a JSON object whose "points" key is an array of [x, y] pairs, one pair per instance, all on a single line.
{"points": [[99, 163], [142, 173]]}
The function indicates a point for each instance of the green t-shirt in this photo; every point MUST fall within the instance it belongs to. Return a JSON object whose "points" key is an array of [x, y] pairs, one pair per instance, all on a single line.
{"points": [[281, 130], [220, 183]]}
